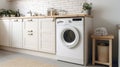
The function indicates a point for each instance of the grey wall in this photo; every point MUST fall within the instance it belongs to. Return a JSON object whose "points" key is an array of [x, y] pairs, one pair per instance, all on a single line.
{"points": [[4, 4], [107, 14]]}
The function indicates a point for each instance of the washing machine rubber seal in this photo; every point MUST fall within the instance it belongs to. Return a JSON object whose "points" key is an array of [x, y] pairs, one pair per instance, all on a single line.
{"points": [[77, 37]]}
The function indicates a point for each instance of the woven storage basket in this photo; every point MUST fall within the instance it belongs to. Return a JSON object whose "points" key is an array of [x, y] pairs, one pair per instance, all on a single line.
{"points": [[103, 53]]}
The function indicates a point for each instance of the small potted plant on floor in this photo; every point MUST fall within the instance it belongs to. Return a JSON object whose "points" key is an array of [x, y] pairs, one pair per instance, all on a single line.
{"points": [[87, 8]]}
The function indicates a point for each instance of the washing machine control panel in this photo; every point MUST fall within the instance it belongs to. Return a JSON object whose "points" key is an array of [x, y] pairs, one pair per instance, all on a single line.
{"points": [[74, 20], [77, 19], [64, 21]]}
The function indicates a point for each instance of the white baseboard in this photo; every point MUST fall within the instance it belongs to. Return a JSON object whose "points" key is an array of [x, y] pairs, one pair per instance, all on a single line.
{"points": [[30, 52]]}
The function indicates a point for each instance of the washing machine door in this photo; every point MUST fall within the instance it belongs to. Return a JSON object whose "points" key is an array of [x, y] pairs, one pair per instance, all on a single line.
{"points": [[70, 36]]}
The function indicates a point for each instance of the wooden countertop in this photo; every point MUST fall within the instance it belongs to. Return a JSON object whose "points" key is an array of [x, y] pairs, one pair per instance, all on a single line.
{"points": [[57, 16]]}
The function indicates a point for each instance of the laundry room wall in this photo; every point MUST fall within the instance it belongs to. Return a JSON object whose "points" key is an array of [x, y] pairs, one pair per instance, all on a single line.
{"points": [[41, 6], [107, 14], [4, 4]]}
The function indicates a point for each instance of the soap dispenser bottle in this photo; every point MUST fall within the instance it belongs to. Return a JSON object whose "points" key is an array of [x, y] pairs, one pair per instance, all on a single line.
{"points": [[17, 13], [29, 13]]}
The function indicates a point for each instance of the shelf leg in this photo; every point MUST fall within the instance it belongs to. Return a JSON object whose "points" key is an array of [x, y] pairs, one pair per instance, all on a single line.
{"points": [[110, 53], [93, 52]]}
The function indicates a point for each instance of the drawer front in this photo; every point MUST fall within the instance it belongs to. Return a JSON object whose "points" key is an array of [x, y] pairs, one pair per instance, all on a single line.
{"points": [[31, 34]]}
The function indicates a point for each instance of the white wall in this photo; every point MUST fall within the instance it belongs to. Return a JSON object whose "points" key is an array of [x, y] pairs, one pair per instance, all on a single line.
{"points": [[41, 6], [107, 13], [4, 4]]}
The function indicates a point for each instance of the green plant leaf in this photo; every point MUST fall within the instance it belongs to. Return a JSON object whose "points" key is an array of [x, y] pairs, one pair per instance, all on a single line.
{"points": [[87, 6]]}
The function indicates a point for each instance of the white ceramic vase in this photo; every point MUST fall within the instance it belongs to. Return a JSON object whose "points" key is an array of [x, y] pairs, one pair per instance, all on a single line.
{"points": [[87, 12]]}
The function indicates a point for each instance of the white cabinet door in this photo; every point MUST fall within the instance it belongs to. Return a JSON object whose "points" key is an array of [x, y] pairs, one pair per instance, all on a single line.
{"points": [[31, 34], [48, 35], [4, 33], [16, 29]]}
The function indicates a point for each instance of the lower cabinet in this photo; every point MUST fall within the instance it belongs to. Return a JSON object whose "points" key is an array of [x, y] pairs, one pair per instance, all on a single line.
{"points": [[16, 33], [30, 34], [5, 32], [47, 37]]}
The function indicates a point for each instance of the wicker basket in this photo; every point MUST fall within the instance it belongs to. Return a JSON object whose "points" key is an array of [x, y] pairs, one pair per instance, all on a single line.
{"points": [[103, 53]]}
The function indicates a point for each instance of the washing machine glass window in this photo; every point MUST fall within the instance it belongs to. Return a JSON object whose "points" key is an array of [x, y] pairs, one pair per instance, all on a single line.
{"points": [[70, 36]]}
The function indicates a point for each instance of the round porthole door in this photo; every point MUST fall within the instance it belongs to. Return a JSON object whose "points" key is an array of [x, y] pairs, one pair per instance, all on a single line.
{"points": [[70, 36]]}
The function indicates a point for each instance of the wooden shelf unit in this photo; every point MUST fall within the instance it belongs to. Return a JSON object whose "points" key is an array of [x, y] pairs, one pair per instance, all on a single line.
{"points": [[108, 38], [101, 63]]}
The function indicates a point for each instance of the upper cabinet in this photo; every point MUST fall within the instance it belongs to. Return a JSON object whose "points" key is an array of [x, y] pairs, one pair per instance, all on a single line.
{"points": [[5, 32]]}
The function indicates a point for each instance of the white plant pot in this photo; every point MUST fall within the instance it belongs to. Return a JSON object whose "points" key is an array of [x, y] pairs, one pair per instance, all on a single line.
{"points": [[87, 12]]}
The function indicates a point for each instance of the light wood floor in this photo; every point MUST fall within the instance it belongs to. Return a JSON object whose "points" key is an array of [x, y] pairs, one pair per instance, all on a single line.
{"points": [[6, 55]]}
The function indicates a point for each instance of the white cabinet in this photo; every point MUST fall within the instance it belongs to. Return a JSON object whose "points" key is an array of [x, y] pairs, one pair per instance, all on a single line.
{"points": [[30, 34], [16, 31], [47, 31], [5, 32], [39, 34]]}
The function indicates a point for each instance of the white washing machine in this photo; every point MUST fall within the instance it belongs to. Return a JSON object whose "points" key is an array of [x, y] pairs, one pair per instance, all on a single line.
{"points": [[71, 46]]}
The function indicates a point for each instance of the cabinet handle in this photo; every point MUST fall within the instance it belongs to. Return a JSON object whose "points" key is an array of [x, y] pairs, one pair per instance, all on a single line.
{"points": [[30, 20], [15, 20], [30, 34], [30, 31]]}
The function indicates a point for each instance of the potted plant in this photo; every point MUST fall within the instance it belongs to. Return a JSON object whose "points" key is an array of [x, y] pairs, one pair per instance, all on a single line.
{"points": [[7, 13], [11, 13], [87, 8], [2, 12]]}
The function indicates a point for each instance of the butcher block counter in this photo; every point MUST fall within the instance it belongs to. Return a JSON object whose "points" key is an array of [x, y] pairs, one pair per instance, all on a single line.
{"points": [[56, 16]]}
